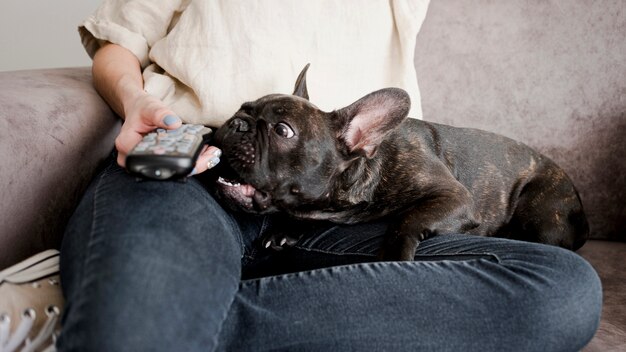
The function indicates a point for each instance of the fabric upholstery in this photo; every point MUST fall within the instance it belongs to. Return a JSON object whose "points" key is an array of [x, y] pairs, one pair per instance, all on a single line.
{"points": [[607, 257], [548, 73], [54, 130]]}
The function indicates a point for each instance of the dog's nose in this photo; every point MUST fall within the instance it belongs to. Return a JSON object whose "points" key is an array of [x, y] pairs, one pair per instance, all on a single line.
{"points": [[240, 125], [262, 199]]}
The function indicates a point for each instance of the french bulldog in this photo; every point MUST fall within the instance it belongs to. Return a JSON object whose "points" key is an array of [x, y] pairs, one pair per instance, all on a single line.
{"points": [[368, 160]]}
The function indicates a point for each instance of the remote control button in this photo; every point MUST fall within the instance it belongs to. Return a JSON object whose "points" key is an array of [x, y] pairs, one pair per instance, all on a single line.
{"points": [[195, 128], [158, 150]]}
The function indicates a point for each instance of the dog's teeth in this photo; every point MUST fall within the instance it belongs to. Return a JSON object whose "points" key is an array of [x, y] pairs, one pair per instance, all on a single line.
{"points": [[267, 244], [224, 182], [283, 241]]}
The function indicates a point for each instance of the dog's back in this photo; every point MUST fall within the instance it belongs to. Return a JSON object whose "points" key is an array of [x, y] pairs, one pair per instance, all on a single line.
{"points": [[517, 192]]}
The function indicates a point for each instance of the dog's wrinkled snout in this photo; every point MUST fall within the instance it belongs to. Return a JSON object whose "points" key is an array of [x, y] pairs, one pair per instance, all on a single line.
{"points": [[240, 125]]}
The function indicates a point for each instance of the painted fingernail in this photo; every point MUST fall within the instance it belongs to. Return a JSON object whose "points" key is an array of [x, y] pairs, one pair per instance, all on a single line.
{"points": [[193, 172], [218, 153], [212, 162], [170, 120]]}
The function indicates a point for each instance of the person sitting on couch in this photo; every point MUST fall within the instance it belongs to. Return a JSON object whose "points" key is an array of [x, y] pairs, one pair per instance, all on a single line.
{"points": [[161, 266]]}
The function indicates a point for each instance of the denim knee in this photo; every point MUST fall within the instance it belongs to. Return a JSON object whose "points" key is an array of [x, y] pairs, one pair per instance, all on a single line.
{"points": [[562, 302], [139, 259]]}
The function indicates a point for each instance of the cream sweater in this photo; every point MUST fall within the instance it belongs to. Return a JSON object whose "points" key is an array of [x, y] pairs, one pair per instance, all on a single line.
{"points": [[204, 58]]}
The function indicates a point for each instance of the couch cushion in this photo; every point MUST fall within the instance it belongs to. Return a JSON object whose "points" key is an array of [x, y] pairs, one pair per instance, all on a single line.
{"points": [[550, 74], [54, 130]]}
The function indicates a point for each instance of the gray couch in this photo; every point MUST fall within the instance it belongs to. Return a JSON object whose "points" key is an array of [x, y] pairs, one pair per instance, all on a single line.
{"points": [[550, 74]]}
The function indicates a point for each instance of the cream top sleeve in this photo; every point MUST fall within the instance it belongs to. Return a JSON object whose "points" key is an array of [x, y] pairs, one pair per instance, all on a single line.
{"points": [[134, 24]]}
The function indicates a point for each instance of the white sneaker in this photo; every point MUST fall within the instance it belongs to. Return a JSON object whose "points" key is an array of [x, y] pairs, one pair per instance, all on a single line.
{"points": [[31, 303]]}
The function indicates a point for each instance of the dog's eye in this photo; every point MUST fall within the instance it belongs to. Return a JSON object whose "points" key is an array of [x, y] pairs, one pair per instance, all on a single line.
{"points": [[283, 130]]}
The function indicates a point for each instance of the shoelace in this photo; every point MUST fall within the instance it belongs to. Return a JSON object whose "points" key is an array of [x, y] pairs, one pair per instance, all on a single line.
{"points": [[9, 343], [37, 266], [40, 265]]}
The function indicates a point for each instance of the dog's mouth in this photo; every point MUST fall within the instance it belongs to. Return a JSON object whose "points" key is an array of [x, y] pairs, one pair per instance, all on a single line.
{"points": [[244, 196], [237, 191]]}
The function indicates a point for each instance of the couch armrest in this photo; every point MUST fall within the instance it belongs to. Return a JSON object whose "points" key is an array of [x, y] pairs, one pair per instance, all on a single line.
{"points": [[54, 132]]}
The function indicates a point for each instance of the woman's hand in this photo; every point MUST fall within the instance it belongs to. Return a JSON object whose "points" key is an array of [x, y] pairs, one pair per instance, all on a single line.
{"points": [[145, 113], [117, 77]]}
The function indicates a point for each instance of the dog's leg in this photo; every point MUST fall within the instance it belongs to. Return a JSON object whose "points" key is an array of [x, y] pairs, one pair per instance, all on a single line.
{"points": [[548, 211], [451, 211]]}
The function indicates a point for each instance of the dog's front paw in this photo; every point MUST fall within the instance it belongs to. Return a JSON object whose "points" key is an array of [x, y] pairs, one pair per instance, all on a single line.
{"points": [[278, 242], [400, 248]]}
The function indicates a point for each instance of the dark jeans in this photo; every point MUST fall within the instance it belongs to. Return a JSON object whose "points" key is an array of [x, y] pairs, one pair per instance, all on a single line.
{"points": [[160, 266]]}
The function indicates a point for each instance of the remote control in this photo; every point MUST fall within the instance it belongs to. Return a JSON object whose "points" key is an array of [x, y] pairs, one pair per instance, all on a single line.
{"points": [[167, 154]]}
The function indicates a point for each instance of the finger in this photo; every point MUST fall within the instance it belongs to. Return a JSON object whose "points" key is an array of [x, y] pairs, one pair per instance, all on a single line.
{"points": [[124, 143], [163, 118], [208, 158], [121, 160], [171, 122]]}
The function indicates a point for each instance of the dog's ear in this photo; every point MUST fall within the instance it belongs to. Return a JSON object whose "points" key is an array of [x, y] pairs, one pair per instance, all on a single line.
{"points": [[363, 125], [300, 87]]}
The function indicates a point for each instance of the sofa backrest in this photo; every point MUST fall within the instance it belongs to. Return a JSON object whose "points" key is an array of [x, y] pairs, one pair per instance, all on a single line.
{"points": [[551, 74]]}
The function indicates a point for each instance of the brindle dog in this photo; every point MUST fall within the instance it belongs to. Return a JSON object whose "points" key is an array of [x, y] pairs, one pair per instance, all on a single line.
{"points": [[368, 160]]}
